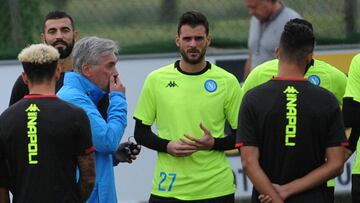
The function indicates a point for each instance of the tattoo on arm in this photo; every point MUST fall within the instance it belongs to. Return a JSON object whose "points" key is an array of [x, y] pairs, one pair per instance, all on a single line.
{"points": [[87, 175]]}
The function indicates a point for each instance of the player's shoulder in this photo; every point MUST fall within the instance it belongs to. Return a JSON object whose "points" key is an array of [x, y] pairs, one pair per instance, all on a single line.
{"points": [[355, 60], [323, 69], [162, 70], [357, 57], [222, 72], [260, 89], [327, 67], [70, 109], [321, 92]]}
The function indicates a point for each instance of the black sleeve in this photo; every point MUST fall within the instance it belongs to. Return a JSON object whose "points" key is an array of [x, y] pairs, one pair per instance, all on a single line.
{"points": [[4, 174], [351, 112], [351, 115], [225, 143], [144, 136], [19, 90], [83, 134], [353, 139], [246, 134], [336, 129]]}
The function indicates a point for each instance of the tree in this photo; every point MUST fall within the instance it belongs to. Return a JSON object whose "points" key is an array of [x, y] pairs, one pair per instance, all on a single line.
{"points": [[168, 10], [350, 17]]}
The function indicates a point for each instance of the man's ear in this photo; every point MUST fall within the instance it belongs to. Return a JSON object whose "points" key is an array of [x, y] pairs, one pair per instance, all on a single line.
{"points": [[177, 40], [277, 52], [209, 38], [42, 37], [86, 70], [309, 58], [57, 73], [24, 78], [76, 35]]}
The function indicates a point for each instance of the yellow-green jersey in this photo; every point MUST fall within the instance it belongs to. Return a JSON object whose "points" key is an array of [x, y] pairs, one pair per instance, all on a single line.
{"points": [[353, 92], [321, 74], [178, 102]]}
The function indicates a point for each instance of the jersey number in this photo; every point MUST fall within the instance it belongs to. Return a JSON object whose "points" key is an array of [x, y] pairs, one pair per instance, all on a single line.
{"points": [[164, 176]]}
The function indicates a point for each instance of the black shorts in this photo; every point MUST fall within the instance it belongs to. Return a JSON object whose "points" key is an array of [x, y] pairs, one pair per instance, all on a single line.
{"points": [[355, 188], [227, 198], [330, 194]]}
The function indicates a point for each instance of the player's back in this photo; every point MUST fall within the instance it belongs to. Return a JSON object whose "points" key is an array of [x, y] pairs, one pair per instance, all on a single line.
{"points": [[294, 127], [40, 135]]}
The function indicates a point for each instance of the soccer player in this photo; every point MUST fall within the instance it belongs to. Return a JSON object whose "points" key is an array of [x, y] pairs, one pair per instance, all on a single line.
{"points": [[190, 101], [319, 73], [59, 32], [288, 127], [351, 112], [43, 139], [95, 75]]}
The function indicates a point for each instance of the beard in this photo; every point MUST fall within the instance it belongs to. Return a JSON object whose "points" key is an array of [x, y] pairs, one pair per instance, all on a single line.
{"points": [[194, 61], [64, 52]]}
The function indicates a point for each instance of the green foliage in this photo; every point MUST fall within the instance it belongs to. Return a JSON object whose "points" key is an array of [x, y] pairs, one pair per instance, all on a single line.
{"points": [[138, 27]]}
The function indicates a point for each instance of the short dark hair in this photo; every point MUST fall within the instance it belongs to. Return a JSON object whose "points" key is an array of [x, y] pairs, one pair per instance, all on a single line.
{"points": [[297, 40], [193, 18], [58, 15]]}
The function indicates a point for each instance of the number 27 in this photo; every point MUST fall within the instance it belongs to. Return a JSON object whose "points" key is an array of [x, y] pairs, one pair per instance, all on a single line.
{"points": [[164, 176]]}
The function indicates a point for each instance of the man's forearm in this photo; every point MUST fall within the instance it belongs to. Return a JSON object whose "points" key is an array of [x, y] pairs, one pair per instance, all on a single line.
{"points": [[87, 176], [144, 136], [330, 169], [4, 195], [261, 182]]}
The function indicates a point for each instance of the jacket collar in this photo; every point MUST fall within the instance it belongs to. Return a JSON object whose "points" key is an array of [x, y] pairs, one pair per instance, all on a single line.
{"points": [[84, 85]]}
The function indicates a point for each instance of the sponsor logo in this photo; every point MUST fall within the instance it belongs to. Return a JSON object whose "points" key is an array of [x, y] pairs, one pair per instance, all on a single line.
{"points": [[32, 115], [172, 84], [291, 114]]}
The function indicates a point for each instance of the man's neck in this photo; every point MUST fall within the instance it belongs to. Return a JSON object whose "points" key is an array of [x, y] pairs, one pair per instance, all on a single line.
{"points": [[290, 70], [192, 68], [65, 64], [43, 88], [275, 8]]}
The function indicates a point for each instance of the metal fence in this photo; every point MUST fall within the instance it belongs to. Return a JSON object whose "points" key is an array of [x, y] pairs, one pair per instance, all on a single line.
{"points": [[149, 26]]}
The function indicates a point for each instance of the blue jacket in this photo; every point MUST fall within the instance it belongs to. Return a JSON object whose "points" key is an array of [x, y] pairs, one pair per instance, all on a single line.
{"points": [[106, 135]]}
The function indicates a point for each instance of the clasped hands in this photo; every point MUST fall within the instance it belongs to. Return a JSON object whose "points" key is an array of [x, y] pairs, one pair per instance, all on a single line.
{"points": [[190, 144], [280, 189]]}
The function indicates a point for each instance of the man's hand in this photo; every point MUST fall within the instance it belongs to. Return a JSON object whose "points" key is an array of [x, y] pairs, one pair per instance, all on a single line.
{"points": [[281, 190], [127, 152], [206, 142], [115, 84], [180, 149], [265, 198]]}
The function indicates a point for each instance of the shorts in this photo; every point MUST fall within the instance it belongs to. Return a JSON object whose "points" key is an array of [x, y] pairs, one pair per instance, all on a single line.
{"points": [[355, 188], [227, 198]]}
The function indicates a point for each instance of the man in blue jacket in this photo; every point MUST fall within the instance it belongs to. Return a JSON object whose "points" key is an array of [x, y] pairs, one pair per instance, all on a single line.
{"points": [[94, 75]]}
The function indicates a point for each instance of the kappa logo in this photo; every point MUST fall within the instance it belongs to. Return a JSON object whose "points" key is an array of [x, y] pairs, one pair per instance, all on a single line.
{"points": [[172, 84]]}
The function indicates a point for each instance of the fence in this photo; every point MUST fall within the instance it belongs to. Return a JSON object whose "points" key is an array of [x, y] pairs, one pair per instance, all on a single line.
{"points": [[149, 26]]}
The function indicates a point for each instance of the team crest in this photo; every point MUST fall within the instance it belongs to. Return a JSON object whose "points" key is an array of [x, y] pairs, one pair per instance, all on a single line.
{"points": [[210, 85], [314, 79]]}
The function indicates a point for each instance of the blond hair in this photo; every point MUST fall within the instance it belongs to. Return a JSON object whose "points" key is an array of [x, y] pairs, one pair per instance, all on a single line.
{"points": [[39, 54]]}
